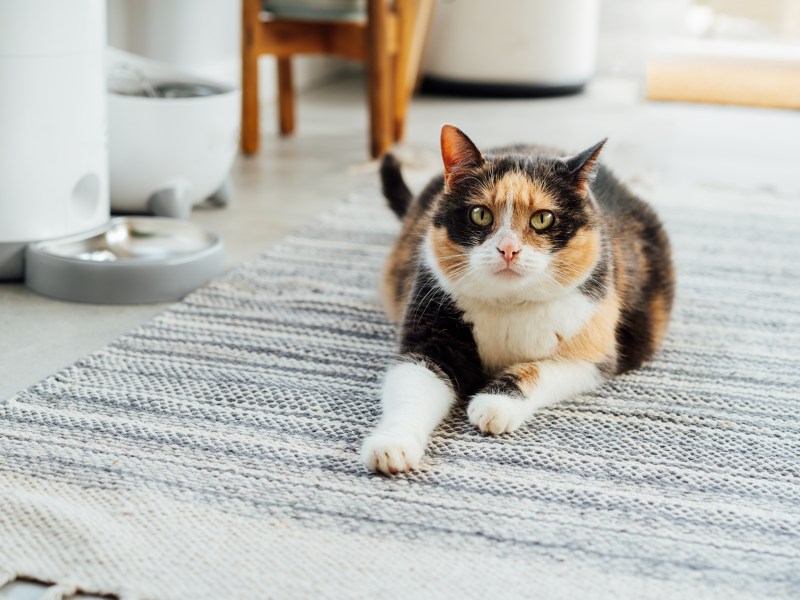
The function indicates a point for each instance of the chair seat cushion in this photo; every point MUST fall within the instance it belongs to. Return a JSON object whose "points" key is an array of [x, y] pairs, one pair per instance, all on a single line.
{"points": [[344, 10]]}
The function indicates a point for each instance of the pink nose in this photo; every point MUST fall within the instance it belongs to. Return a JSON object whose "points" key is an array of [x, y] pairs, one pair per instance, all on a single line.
{"points": [[509, 248]]}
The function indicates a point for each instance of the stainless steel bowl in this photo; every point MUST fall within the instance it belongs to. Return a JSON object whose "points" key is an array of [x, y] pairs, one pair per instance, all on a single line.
{"points": [[130, 238], [130, 260]]}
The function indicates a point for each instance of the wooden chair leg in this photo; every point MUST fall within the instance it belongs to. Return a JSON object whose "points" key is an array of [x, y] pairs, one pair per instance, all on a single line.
{"points": [[285, 96], [379, 82], [250, 122], [413, 21]]}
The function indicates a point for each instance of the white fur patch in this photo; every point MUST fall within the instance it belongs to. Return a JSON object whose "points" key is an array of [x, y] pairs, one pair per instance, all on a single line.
{"points": [[507, 334], [414, 401], [558, 380], [496, 413], [508, 213], [478, 280]]}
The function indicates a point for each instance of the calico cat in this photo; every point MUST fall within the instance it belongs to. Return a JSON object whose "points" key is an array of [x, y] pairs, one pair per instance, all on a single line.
{"points": [[521, 277]]}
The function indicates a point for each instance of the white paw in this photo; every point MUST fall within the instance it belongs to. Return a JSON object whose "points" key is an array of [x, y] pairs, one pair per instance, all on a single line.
{"points": [[391, 452], [496, 413]]}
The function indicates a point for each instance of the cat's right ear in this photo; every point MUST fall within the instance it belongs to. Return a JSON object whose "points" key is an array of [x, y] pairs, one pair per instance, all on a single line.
{"points": [[459, 154]]}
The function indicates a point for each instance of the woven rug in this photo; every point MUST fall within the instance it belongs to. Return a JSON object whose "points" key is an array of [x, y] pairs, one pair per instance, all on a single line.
{"points": [[213, 453]]}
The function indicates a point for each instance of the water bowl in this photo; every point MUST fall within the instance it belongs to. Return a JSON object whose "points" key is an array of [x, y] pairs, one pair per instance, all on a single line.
{"points": [[129, 260]]}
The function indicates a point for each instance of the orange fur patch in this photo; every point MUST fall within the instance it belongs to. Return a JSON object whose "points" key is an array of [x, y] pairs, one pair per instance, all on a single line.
{"points": [[399, 272], [450, 257], [596, 342], [394, 302], [528, 197], [527, 375], [512, 185], [621, 274], [577, 259], [659, 315]]}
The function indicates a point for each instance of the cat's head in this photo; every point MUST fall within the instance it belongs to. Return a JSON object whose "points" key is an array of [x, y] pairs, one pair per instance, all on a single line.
{"points": [[515, 225]]}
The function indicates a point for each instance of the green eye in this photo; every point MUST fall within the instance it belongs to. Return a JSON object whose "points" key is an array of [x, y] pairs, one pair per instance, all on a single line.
{"points": [[481, 216], [542, 219]]}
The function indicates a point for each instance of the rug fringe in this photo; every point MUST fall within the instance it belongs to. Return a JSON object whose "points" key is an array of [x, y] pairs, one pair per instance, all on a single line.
{"points": [[60, 591], [6, 577]]}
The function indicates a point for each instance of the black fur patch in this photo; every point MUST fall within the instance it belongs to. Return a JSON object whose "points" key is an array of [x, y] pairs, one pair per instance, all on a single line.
{"points": [[596, 285], [608, 367], [454, 209], [507, 384], [394, 187], [430, 192], [434, 327], [636, 341], [572, 209]]}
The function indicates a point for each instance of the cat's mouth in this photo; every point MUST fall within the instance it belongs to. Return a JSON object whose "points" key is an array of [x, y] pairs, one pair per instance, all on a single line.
{"points": [[507, 273]]}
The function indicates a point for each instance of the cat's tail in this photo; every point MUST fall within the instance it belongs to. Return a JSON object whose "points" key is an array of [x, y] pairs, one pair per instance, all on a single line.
{"points": [[394, 188]]}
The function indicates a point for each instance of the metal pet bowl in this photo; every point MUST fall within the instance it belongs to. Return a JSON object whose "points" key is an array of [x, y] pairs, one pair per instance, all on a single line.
{"points": [[130, 260]]}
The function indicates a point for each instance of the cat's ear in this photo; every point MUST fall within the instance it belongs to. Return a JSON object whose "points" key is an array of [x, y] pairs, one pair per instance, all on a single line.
{"points": [[459, 154], [583, 167]]}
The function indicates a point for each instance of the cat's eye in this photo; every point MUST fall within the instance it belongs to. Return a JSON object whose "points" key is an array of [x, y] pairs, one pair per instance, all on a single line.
{"points": [[542, 220], [481, 216]]}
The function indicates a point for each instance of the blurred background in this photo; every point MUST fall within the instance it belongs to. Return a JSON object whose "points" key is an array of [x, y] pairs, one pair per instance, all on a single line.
{"points": [[204, 35]]}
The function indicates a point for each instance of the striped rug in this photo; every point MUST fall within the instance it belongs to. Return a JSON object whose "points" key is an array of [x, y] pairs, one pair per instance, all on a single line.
{"points": [[213, 452]]}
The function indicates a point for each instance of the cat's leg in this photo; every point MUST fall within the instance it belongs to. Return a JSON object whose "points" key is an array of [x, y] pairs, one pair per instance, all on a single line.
{"points": [[416, 397], [518, 392]]}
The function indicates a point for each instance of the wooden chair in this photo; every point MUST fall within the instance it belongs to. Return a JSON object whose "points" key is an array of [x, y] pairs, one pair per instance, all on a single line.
{"points": [[390, 41]]}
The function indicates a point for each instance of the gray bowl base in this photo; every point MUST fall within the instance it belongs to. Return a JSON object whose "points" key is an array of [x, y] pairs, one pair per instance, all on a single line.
{"points": [[130, 260]]}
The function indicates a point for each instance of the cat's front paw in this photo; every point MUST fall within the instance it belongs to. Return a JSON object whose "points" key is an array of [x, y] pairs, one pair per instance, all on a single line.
{"points": [[391, 452], [496, 413]]}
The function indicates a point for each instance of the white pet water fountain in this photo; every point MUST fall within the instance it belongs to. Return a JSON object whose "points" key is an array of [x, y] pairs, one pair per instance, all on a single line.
{"points": [[173, 137], [55, 228]]}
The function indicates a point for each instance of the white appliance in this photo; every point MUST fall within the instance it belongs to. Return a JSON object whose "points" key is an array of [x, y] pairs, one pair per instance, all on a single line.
{"points": [[533, 44], [167, 154], [53, 156]]}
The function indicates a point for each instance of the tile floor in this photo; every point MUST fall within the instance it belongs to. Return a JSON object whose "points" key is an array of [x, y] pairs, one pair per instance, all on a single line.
{"points": [[293, 179]]}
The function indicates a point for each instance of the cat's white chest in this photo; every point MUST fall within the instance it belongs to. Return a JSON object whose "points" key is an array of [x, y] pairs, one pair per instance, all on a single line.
{"points": [[510, 334]]}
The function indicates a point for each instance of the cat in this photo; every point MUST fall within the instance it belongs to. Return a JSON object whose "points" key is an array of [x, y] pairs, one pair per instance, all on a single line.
{"points": [[520, 278]]}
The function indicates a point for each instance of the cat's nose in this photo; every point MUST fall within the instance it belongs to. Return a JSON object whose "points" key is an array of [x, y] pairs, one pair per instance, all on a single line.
{"points": [[509, 248]]}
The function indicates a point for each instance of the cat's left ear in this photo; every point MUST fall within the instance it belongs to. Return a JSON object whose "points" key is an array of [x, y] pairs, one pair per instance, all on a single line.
{"points": [[583, 167]]}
